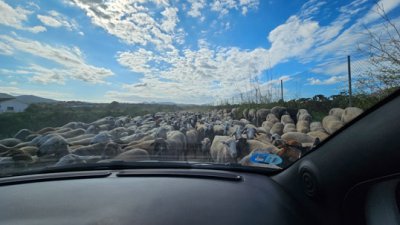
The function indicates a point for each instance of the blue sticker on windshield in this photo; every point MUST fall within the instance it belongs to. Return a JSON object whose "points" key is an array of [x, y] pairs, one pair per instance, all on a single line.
{"points": [[266, 158]]}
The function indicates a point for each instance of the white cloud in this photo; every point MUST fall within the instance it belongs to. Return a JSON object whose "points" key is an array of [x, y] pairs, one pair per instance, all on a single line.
{"points": [[133, 22], [304, 39], [5, 49], [56, 20], [49, 21], [329, 81], [196, 7], [70, 59], [136, 61], [310, 8], [387, 5], [194, 74], [16, 17], [294, 38], [223, 7]]}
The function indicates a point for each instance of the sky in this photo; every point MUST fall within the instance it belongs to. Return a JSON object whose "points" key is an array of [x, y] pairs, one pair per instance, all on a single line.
{"points": [[194, 51]]}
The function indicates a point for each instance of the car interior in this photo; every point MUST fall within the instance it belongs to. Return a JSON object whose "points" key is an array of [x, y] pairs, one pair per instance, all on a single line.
{"points": [[351, 178]]}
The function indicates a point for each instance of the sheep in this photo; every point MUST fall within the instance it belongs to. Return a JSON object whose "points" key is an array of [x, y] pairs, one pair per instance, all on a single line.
{"points": [[223, 150], [46, 130], [146, 145], [245, 113], [72, 133], [286, 119], [133, 155], [75, 125], [267, 125], [316, 126], [135, 138], [205, 148], [32, 150], [218, 129], [177, 144], [256, 144], [350, 113], [31, 137], [261, 115], [161, 132], [263, 137], [262, 130], [304, 117], [93, 149], [338, 112], [272, 118], [250, 132], [56, 146], [278, 111], [23, 134], [18, 155], [93, 129], [108, 150], [277, 128], [290, 127], [298, 137], [322, 135], [235, 131], [61, 130], [252, 115], [301, 111], [209, 132], [71, 159], [118, 133], [303, 126], [85, 141], [80, 137], [192, 140], [10, 142], [244, 122], [102, 137], [331, 124]]}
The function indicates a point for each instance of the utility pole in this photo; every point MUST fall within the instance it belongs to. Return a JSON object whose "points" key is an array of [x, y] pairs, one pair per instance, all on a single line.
{"points": [[349, 73], [282, 90]]}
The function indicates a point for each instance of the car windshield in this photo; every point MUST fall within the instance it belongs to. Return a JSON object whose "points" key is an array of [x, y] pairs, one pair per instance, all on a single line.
{"points": [[223, 83]]}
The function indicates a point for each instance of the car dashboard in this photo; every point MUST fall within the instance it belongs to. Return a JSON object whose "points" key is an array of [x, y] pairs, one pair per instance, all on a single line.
{"points": [[147, 196]]}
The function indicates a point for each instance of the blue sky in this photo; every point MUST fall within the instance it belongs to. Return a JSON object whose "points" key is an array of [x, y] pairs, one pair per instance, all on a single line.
{"points": [[181, 51]]}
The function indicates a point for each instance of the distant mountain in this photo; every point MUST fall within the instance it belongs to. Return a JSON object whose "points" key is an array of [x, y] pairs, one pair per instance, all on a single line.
{"points": [[30, 99], [5, 96], [159, 103]]}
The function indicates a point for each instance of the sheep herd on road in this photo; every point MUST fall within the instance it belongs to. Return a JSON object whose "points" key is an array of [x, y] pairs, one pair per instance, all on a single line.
{"points": [[219, 136]]}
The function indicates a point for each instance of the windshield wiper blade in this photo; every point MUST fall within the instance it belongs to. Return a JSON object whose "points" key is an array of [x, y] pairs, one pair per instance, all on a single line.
{"points": [[27, 178], [114, 165]]}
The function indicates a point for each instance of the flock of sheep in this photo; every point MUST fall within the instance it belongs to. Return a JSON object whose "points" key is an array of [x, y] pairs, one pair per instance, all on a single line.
{"points": [[218, 136]]}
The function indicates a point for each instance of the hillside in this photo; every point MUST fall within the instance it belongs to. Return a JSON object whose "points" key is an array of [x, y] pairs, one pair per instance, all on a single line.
{"points": [[30, 99]]}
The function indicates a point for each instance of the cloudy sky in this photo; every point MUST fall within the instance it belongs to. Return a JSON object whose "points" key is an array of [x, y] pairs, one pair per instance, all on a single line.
{"points": [[195, 51]]}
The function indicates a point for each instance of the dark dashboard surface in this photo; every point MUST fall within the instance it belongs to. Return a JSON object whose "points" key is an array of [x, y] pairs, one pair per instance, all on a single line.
{"points": [[151, 197]]}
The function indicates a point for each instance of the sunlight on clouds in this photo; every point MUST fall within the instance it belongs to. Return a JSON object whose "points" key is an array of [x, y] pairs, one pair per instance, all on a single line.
{"points": [[56, 20], [133, 23], [70, 59], [331, 80], [16, 17]]}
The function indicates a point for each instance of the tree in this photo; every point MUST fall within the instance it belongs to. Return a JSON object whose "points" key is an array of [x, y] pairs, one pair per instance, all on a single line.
{"points": [[383, 48]]}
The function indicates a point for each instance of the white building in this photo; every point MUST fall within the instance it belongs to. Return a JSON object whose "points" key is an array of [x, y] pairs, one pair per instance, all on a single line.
{"points": [[10, 104]]}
